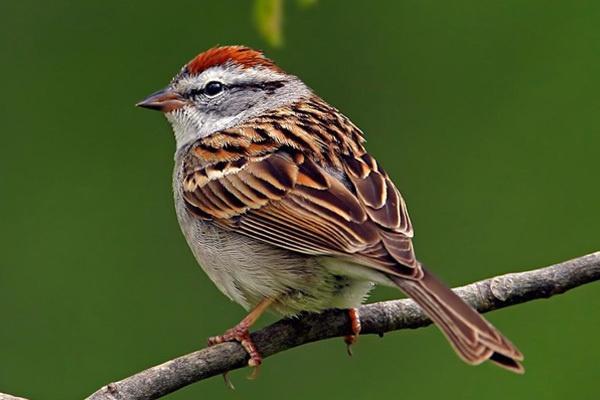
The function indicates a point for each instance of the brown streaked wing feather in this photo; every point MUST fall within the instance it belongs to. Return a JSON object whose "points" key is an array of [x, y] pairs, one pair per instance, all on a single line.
{"points": [[385, 207], [323, 231], [233, 191], [274, 184], [400, 247], [379, 195], [270, 202]]}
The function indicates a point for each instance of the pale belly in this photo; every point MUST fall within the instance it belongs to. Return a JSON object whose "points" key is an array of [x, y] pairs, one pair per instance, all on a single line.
{"points": [[247, 271]]}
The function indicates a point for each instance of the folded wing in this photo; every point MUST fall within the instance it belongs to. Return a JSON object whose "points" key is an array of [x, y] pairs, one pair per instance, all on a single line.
{"points": [[288, 200]]}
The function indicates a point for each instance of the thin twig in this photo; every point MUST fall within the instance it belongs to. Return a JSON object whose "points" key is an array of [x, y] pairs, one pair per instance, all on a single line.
{"points": [[487, 295]]}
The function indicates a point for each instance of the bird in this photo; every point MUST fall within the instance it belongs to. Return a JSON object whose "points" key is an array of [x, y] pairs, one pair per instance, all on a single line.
{"points": [[286, 211]]}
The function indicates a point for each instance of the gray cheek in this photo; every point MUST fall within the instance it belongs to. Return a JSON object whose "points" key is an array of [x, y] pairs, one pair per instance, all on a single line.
{"points": [[231, 109], [237, 103]]}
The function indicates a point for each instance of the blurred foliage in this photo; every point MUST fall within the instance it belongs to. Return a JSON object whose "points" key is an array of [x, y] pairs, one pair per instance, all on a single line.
{"points": [[485, 114], [307, 3], [268, 17]]}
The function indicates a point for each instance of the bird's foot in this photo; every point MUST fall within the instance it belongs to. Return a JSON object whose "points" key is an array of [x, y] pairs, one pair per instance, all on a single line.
{"points": [[240, 334], [355, 328]]}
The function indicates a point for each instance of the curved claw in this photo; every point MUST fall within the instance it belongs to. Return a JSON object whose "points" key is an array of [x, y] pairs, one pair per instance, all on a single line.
{"points": [[355, 328], [228, 382], [240, 334]]}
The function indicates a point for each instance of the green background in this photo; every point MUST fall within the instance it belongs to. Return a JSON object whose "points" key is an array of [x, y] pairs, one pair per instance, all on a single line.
{"points": [[486, 114]]}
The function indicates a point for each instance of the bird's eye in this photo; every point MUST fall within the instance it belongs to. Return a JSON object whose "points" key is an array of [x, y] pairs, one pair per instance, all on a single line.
{"points": [[213, 88]]}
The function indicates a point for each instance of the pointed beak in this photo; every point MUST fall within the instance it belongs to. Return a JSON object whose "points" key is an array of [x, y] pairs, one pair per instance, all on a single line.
{"points": [[165, 100]]}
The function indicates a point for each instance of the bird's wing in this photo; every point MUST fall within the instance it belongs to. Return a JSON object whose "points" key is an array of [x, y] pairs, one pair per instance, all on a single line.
{"points": [[266, 181]]}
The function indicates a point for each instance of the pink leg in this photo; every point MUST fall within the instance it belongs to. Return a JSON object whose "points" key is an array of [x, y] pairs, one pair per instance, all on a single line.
{"points": [[240, 333], [355, 327]]}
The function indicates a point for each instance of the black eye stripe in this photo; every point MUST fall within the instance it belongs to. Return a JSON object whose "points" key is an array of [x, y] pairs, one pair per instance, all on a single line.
{"points": [[193, 92], [213, 88], [268, 86]]}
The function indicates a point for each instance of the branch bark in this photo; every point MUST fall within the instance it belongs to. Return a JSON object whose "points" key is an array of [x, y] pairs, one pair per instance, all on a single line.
{"points": [[378, 318], [9, 397]]}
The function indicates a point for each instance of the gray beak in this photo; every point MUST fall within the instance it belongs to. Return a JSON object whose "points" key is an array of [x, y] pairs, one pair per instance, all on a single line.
{"points": [[165, 100]]}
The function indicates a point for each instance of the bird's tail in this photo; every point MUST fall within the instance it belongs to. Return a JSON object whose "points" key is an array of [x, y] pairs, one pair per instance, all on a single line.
{"points": [[472, 336]]}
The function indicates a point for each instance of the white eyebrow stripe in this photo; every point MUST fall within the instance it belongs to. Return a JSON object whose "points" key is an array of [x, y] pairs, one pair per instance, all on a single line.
{"points": [[229, 74]]}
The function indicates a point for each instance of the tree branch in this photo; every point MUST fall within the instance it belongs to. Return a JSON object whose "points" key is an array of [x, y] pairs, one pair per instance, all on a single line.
{"points": [[487, 295], [9, 397]]}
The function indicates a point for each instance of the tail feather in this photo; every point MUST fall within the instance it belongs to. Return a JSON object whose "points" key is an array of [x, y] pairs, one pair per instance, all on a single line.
{"points": [[473, 338]]}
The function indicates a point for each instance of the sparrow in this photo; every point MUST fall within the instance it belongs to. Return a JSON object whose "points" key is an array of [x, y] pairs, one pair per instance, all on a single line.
{"points": [[286, 211]]}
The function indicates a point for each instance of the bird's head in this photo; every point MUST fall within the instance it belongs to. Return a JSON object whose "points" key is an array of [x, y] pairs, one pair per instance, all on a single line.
{"points": [[221, 88]]}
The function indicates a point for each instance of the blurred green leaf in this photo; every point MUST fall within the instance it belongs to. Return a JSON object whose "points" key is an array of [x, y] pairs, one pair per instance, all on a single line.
{"points": [[268, 15], [306, 3]]}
